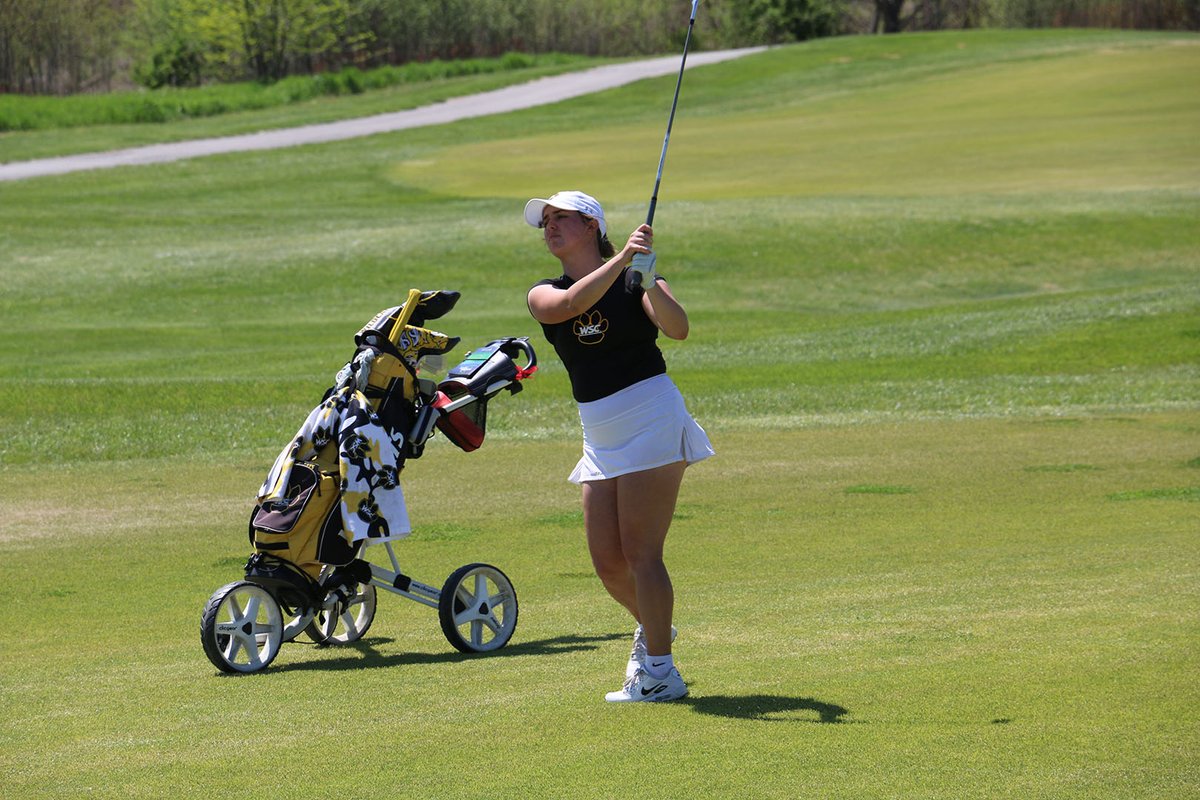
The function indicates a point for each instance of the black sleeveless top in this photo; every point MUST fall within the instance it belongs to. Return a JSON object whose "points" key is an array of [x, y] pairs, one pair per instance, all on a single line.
{"points": [[610, 346]]}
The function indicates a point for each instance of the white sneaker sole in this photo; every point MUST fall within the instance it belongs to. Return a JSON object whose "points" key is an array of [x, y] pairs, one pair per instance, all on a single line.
{"points": [[664, 696]]}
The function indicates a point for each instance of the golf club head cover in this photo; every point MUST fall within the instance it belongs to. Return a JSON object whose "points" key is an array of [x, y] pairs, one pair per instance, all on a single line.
{"points": [[433, 305], [416, 342], [424, 306]]}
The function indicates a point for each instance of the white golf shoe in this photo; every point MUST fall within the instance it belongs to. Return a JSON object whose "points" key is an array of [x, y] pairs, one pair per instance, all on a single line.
{"points": [[641, 688], [638, 654]]}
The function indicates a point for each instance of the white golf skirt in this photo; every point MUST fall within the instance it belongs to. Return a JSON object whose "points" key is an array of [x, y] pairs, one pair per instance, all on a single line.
{"points": [[640, 427]]}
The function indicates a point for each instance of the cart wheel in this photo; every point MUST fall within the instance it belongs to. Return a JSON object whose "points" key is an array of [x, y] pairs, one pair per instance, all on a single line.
{"points": [[293, 626], [241, 628], [478, 608], [302, 622], [346, 622]]}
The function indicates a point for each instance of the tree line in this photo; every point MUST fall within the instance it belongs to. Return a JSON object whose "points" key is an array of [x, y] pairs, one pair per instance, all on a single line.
{"points": [[73, 46]]}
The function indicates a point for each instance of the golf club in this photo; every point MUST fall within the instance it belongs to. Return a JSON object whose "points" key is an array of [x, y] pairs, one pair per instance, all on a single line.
{"points": [[643, 263]]}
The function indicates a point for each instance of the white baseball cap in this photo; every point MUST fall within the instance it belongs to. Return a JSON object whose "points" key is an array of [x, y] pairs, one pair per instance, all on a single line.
{"points": [[570, 201]]}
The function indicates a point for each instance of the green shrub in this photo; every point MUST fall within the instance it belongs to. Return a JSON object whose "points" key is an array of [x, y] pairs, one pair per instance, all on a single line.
{"points": [[150, 110], [352, 79], [515, 61]]}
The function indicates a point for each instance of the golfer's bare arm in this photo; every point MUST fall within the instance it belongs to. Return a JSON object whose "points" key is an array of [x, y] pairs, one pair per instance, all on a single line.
{"points": [[552, 305], [664, 310]]}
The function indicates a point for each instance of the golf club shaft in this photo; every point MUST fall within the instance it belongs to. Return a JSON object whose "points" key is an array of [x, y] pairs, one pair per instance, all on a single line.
{"points": [[671, 119]]}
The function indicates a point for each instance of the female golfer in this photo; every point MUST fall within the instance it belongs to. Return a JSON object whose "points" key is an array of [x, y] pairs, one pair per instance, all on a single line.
{"points": [[603, 317]]}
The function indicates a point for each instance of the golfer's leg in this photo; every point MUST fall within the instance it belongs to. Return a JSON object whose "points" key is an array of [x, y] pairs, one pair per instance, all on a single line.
{"points": [[646, 503], [604, 542]]}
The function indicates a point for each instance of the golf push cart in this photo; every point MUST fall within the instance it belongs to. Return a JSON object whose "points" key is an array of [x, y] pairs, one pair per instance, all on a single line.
{"points": [[334, 491]]}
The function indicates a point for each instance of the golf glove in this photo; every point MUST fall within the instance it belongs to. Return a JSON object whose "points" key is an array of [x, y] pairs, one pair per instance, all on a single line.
{"points": [[643, 270], [357, 372], [362, 368]]}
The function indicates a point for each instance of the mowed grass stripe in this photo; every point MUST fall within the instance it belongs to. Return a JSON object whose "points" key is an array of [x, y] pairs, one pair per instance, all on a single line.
{"points": [[1068, 120]]}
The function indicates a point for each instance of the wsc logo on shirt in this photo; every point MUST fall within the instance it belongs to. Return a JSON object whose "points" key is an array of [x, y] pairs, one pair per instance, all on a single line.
{"points": [[590, 328]]}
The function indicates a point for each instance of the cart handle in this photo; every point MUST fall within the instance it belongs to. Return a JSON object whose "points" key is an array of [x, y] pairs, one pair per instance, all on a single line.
{"points": [[518, 345]]}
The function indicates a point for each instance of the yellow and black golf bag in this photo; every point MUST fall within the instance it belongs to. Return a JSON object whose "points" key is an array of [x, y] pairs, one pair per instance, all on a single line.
{"points": [[336, 484]]}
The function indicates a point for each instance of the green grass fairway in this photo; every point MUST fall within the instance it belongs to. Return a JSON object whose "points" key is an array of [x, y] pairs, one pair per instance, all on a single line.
{"points": [[945, 304]]}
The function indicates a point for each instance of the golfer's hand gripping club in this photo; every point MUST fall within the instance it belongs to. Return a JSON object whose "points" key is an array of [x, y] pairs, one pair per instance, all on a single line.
{"points": [[641, 265], [642, 268]]}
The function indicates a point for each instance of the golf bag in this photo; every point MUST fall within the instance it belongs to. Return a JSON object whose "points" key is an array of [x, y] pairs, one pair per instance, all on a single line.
{"points": [[336, 484]]}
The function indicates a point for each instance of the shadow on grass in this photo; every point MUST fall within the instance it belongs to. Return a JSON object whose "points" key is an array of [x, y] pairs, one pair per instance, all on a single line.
{"points": [[768, 708], [364, 655]]}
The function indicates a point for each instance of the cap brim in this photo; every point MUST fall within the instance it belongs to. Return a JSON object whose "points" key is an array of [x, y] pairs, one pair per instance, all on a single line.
{"points": [[533, 211]]}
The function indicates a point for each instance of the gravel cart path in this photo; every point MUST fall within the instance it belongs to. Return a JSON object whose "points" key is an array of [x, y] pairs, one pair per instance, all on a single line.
{"points": [[511, 98]]}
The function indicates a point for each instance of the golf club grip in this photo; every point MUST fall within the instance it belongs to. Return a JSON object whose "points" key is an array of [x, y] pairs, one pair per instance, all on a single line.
{"points": [[650, 213]]}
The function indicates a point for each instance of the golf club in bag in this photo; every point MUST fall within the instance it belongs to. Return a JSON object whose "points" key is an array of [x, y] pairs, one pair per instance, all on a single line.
{"points": [[643, 263]]}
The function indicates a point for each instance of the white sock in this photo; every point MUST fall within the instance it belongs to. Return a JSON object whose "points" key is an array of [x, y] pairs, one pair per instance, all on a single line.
{"points": [[659, 666]]}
